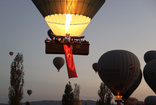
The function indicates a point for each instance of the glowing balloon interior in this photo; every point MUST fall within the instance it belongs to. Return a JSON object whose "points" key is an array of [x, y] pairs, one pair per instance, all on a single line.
{"points": [[68, 16], [63, 24]]}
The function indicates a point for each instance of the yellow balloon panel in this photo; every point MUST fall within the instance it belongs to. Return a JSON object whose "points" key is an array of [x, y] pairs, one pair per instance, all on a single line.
{"points": [[62, 24]]}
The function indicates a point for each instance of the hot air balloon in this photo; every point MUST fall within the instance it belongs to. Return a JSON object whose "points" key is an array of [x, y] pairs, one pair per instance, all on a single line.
{"points": [[150, 100], [66, 16], [132, 100], [68, 19], [139, 103], [150, 74], [11, 53], [19, 72], [76, 101], [95, 67], [58, 62], [119, 69], [29, 92], [133, 86], [150, 55]]}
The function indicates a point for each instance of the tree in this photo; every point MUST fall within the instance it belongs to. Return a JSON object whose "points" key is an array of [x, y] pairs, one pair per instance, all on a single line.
{"points": [[77, 91], [68, 95], [105, 95], [16, 81], [85, 103], [27, 103]]}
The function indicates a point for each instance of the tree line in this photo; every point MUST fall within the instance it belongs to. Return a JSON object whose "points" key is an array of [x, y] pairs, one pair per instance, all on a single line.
{"points": [[70, 96]]}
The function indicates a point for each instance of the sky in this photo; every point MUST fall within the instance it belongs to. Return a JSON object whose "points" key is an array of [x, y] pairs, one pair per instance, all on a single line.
{"points": [[119, 24]]}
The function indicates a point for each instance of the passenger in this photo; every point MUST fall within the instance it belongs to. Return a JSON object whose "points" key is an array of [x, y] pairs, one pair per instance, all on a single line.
{"points": [[47, 40], [62, 40], [57, 40]]}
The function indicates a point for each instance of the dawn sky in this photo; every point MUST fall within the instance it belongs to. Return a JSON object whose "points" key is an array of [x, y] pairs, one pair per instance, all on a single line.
{"points": [[119, 24]]}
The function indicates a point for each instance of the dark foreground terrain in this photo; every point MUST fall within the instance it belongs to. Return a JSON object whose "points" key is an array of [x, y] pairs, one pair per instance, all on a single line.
{"points": [[51, 102]]}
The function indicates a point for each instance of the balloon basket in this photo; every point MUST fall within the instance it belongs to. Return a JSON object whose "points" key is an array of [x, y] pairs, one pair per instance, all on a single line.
{"points": [[57, 47], [118, 102]]}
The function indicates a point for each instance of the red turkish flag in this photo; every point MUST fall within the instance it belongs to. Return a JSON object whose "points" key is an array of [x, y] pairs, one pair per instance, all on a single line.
{"points": [[70, 61]]}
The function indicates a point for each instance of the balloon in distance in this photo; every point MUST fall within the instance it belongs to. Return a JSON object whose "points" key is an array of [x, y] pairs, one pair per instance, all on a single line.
{"points": [[58, 62], [132, 100], [19, 72], [119, 69], [149, 55], [139, 103], [150, 100], [11, 53], [29, 92], [95, 67], [150, 74]]}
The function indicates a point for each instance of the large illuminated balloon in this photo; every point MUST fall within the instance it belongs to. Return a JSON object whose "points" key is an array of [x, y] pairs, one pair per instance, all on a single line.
{"points": [[150, 100], [58, 62], [139, 103], [95, 67], [11, 53], [150, 74], [68, 16], [29, 92], [150, 55], [119, 69], [133, 86]]}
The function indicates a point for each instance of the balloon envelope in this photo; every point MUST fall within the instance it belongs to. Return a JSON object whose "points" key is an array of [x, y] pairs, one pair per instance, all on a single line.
{"points": [[150, 55], [119, 69], [58, 62], [68, 16], [150, 100], [11, 53], [76, 101], [150, 74], [29, 92], [95, 67], [139, 103], [132, 100], [133, 86]]}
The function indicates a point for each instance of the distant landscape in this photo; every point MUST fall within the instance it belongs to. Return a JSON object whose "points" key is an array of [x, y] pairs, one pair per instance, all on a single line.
{"points": [[52, 102]]}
